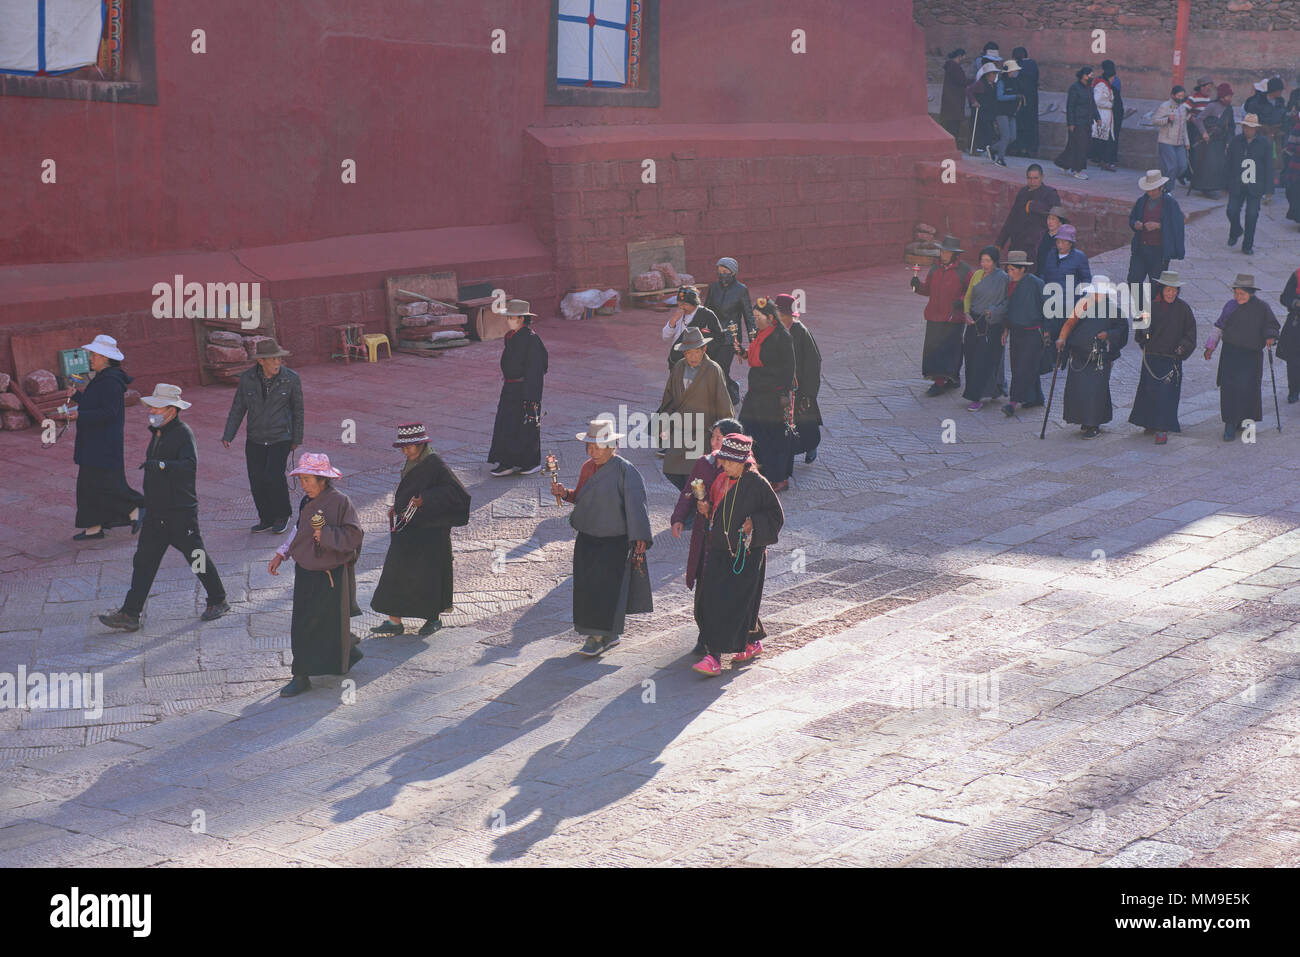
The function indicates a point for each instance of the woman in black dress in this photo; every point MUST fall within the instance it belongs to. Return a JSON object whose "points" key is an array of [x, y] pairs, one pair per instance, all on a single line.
{"points": [[517, 433], [745, 517], [104, 499], [417, 578], [767, 412]]}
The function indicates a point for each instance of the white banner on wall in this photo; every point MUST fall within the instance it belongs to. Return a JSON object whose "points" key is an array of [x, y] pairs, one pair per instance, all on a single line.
{"points": [[50, 35]]}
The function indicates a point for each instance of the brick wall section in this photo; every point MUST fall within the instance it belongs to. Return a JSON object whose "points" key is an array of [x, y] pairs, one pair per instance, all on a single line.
{"points": [[974, 209], [777, 215], [1215, 15]]}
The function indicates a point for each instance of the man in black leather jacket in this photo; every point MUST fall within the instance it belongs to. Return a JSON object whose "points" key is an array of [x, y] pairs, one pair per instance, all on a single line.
{"points": [[171, 512]]}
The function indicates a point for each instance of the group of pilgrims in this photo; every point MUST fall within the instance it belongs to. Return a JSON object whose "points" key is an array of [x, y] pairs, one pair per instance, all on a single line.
{"points": [[728, 494], [1055, 315]]}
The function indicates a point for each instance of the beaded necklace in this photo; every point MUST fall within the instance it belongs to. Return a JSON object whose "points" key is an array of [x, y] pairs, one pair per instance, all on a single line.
{"points": [[739, 554]]}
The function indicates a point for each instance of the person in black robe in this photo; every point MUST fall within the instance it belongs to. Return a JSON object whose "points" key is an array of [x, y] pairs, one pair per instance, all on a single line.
{"points": [[324, 545], [1215, 127], [1024, 333], [951, 103], [1026, 143], [766, 412], [1248, 146], [416, 581], [1027, 219], [728, 299], [1247, 327], [1080, 112], [1088, 344], [613, 526], [1170, 338], [745, 518], [1288, 343], [104, 499], [517, 433], [808, 381]]}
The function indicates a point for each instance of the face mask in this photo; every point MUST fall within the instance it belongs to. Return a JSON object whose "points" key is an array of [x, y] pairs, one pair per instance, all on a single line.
{"points": [[156, 419], [726, 278]]}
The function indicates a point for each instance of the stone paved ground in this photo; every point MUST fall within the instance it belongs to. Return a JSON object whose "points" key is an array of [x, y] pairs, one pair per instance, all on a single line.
{"points": [[1118, 627]]}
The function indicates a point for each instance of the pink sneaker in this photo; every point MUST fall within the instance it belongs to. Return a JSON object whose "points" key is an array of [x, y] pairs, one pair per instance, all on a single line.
{"points": [[752, 650], [708, 666]]}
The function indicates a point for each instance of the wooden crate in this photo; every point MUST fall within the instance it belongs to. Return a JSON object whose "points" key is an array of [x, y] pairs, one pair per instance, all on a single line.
{"points": [[439, 286]]}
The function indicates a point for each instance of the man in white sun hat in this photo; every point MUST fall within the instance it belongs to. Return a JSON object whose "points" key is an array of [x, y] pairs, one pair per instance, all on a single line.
{"points": [[171, 511]]}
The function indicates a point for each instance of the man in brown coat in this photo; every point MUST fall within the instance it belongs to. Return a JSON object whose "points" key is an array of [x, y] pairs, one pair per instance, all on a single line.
{"points": [[695, 397]]}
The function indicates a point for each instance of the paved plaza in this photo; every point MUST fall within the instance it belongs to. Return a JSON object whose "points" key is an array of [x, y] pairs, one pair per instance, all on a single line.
{"points": [[993, 650]]}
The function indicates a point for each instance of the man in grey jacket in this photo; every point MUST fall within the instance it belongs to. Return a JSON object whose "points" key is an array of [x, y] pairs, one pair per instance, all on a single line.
{"points": [[271, 395]]}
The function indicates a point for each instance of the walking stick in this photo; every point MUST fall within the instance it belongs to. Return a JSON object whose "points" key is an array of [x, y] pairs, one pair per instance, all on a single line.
{"points": [[1056, 367], [1271, 375], [973, 127]]}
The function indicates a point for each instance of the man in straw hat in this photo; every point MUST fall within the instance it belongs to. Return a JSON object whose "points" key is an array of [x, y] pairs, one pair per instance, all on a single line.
{"points": [[695, 397], [324, 547], [945, 319], [171, 511], [1247, 327], [430, 501], [1157, 222], [1250, 179], [271, 395], [613, 525], [1170, 338], [517, 431], [1025, 333]]}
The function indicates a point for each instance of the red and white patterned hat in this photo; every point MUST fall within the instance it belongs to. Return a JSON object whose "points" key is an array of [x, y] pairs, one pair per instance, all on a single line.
{"points": [[737, 448]]}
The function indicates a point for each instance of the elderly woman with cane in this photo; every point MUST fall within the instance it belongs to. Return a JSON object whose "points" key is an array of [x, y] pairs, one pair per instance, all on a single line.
{"points": [[324, 546], [104, 499]]}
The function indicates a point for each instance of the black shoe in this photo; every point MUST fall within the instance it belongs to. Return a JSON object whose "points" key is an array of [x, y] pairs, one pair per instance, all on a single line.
{"points": [[1229, 433], [1091, 432], [214, 610], [261, 526], [811, 457], [430, 626], [388, 628], [1248, 250], [121, 621], [297, 686], [1232, 240], [282, 526], [608, 643], [936, 389], [83, 537], [1009, 409], [137, 521], [1293, 398]]}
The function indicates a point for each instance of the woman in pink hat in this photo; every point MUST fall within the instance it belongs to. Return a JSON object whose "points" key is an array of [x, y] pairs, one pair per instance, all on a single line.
{"points": [[324, 546]]}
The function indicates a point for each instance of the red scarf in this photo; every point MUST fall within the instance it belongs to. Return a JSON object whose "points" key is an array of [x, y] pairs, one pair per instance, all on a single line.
{"points": [[756, 347]]}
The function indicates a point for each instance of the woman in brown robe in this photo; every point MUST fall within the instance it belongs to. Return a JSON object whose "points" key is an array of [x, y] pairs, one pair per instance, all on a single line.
{"points": [[324, 546]]}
